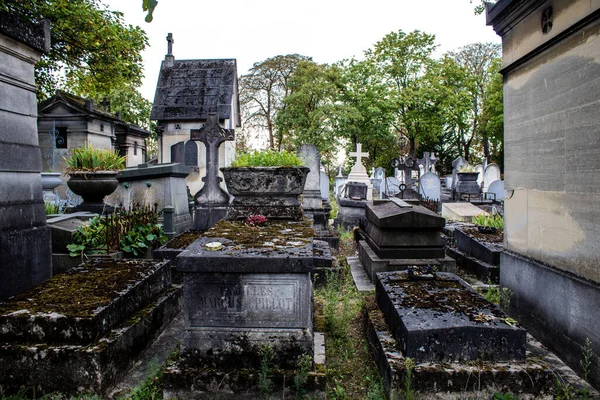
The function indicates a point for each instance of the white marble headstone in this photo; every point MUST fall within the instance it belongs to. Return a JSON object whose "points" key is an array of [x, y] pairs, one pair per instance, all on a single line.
{"points": [[430, 186], [491, 174], [497, 187]]}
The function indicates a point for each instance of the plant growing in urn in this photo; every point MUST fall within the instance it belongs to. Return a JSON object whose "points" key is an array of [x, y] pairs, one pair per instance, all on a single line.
{"points": [[266, 183], [93, 175]]}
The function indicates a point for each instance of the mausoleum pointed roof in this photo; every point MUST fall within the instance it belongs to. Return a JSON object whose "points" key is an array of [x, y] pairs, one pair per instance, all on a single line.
{"points": [[190, 89]]}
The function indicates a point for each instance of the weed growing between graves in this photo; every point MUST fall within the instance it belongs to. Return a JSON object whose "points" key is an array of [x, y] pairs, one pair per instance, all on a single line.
{"points": [[351, 372], [408, 392], [265, 375], [303, 368], [500, 296]]}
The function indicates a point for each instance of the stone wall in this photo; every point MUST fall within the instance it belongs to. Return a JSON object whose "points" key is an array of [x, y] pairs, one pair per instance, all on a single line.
{"points": [[552, 155], [552, 171], [25, 254]]}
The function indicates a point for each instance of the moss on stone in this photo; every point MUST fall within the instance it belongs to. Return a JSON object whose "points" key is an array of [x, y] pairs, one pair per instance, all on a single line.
{"points": [[81, 291]]}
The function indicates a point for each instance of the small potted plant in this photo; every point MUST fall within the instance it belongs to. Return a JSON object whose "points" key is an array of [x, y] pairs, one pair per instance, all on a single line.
{"points": [[93, 175], [266, 183]]}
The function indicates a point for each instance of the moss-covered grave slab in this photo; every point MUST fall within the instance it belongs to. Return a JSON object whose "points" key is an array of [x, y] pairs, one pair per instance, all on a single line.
{"points": [[444, 320], [83, 304], [35, 369]]}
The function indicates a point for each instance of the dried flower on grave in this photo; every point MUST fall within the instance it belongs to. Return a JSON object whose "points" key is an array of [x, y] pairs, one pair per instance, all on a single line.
{"points": [[256, 220]]}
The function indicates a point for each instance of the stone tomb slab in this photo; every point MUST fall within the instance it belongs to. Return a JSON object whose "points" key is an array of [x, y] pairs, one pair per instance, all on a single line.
{"points": [[534, 376], [45, 368], [461, 211], [53, 313], [444, 320], [255, 290]]}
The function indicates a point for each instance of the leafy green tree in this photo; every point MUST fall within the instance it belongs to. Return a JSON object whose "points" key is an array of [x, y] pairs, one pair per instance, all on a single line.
{"points": [[492, 124], [311, 112], [476, 59], [403, 62], [262, 91], [367, 113], [93, 51]]}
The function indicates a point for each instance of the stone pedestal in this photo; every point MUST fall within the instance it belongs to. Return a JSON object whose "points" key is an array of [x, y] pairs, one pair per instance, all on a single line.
{"points": [[160, 184], [25, 254], [253, 291]]}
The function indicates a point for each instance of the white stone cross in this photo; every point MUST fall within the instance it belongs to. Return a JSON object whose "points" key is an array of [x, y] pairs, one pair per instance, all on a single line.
{"points": [[358, 153]]}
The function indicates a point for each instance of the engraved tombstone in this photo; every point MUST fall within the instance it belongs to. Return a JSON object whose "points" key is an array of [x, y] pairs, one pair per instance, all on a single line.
{"points": [[430, 186], [191, 154]]}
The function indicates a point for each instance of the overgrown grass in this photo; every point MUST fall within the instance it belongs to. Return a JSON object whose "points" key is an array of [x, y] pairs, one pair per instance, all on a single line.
{"points": [[351, 372]]}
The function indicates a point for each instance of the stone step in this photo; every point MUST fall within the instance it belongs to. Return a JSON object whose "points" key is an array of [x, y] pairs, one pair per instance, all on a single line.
{"points": [[71, 368], [535, 375], [445, 320], [483, 271], [83, 304]]}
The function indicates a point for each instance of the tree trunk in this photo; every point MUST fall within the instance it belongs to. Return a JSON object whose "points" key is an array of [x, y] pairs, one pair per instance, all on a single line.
{"points": [[412, 147], [467, 146], [486, 149]]}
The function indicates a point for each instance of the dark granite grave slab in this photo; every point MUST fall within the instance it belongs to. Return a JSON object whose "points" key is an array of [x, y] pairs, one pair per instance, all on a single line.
{"points": [[54, 313], [71, 368], [486, 252], [445, 320], [535, 375]]}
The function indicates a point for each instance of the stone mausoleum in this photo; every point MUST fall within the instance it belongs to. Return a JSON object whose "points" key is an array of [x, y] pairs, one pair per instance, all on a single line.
{"points": [[67, 122], [552, 170], [186, 92]]}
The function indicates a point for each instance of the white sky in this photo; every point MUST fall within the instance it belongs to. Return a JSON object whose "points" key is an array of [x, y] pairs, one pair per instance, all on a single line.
{"points": [[327, 30]]}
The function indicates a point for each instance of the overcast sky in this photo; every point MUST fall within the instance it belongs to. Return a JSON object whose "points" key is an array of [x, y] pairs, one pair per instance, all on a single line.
{"points": [[327, 30]]}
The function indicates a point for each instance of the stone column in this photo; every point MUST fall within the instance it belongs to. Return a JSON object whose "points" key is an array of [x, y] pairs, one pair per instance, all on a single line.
{"points": [[25, 248]]}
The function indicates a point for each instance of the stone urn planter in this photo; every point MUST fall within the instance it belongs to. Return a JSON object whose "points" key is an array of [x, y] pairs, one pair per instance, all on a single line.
{"points": [[92, 187], [50, 181], [467, 183], [269, 191]]}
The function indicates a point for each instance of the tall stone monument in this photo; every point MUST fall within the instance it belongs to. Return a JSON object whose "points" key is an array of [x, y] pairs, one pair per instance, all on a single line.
{"points": [[358, 173], [211, 200], [25, 248], [312, 201]]}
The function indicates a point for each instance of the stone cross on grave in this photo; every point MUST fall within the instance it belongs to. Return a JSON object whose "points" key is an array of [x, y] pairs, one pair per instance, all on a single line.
{"points": [[212, 135], [358, 154], [170, 42]]}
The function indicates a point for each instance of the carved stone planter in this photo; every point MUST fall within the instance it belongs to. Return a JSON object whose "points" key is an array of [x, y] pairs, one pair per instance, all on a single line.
{"points": [[467, 183], [269, 191], [92, 187]]}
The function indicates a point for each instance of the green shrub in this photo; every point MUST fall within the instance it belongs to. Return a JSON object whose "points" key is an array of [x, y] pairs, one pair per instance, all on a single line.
{"points": [[268, 158], [89, 159], [493, 221], [141, 238]]}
